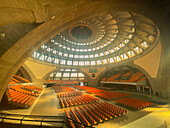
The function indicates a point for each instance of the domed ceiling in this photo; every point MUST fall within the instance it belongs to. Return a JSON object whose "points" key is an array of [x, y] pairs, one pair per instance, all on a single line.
{"points": [[103, 38]]}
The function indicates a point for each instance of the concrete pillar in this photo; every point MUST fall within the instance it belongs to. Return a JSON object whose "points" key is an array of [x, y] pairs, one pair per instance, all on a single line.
{"points": [[94, 82], [143, 88], [38, 82]]}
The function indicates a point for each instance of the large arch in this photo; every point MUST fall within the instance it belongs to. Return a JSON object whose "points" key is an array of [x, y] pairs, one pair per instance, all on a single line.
{"points": [[15, 56]]}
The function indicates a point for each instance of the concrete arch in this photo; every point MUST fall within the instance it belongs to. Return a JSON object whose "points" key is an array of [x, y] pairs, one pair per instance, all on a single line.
{"points": [[33, 77], [14, 57], [131, 65]]}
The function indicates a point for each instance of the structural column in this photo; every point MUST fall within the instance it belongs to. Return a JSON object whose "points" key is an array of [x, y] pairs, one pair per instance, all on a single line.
{"points": [[39, 83]]}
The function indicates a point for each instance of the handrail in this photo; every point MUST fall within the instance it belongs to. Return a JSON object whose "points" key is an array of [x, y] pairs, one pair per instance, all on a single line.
{"points": [[4, 116]]}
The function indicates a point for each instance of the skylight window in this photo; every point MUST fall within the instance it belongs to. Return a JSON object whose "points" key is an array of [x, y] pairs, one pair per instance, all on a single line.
{"points": [[71, 55], [93, 63], [49, 59], [86, 56], [121, 45], [106, 52], [52, 41], [66, 74], [54, 51], [63, 62], [105, 61], [81, 56], [80, 75], [76, 56], [96, 55], [69, 62], [65, 54], [111, 60], [68, 70], [75, 62], [101, 54], [130, 54], [138, 50], [73, 74], [130, 35], [144, 44], [91, 56], [117, 59], [126, 41], [42, 58], [99, 62], [81, 63], [111, 50], [151, 38], [87, 63], [124, 56], [58, 74], [49, 49], [116, 48], [60, 53]]}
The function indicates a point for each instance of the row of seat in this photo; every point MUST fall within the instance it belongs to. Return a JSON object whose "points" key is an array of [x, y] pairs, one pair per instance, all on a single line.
{"points": [[33, 88], [21, 79], [93, 114], [137, 77], [133, 103], [17, 79], [83, 87], [68, 94], [76, 100], [62, 89], [19, 97], [24, 89], [95, 90], [111, 95]]}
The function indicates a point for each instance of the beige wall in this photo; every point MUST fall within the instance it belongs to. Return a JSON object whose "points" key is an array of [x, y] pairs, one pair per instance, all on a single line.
{"points": [[150, 62], [39, 70]]}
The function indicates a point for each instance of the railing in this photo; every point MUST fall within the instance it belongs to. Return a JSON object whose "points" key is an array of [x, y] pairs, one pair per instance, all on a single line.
{"points": [[37, 120]]}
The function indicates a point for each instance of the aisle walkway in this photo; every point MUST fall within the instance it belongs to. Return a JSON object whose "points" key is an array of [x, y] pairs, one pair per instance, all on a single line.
{"points": [[152, 120], [47, 104]]}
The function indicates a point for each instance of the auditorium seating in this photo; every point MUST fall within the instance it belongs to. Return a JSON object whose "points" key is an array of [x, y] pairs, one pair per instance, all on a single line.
{"points": [[62, 89], [111, 95], [89, 89], [22, 80], [76, 100], [143, 78], [83, 87], [95, 90], [113, 77], [126, 77], [68, 94], [93, 114], [133, 103], [22, 96], [135, 77], [17, 79]]}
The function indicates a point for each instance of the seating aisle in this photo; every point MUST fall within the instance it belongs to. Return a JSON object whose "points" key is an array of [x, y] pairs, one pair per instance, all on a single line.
{"points": [[47, 104]]}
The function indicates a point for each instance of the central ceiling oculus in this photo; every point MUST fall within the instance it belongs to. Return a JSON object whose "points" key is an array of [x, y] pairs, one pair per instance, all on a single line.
{"points": [[81, 32]]}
